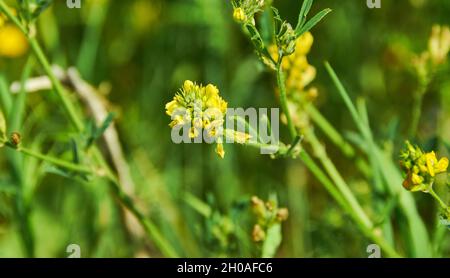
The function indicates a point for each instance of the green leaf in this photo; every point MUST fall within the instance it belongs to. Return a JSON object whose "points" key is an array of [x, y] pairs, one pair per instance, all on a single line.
{"points": [[31, 9], [97, 132], [312, 22], [272, 242], [306, 6], [2, 129], [75, 151]]}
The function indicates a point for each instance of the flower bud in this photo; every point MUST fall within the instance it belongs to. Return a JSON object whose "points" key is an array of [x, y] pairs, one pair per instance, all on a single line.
{"points": [[258, 233]]}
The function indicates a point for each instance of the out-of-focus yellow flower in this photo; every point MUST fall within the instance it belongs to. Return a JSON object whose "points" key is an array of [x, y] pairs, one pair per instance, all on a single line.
{"points": [[439, 44], [145, 15], [239, 15], [420, 168], [13, 42]]}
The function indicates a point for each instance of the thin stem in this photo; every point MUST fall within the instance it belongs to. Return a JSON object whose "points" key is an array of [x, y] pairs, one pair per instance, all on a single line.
{"points": [[320, 153], [283, 98], [329, 130], [126, 200], [417, 110], [10, 15], [57, 162], [438, 199], [58, 88]]}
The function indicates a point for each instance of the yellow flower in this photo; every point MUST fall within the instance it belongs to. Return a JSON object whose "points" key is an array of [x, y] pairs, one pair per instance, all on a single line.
{"points": [[416, 179], [202, 108], [12, 42], [421, 168], [439, 44], [304, 44], [431, 162], [442, 165], [434, 166], [219, 150], [239, 15]]}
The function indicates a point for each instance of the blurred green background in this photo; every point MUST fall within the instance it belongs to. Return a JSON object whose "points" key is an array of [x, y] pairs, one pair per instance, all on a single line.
{"points": [[141, 51]]}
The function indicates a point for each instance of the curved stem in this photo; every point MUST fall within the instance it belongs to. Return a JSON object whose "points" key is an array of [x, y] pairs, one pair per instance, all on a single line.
{"points": [[149, 227]]}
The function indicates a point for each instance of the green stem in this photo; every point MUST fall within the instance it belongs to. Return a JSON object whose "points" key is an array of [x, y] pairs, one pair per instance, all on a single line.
{"points": [[438, 199], [283, 98], [416, 113], [58, 88], [10, 15], [57, 162], [126, 200], [321, 154], [321, 122]]}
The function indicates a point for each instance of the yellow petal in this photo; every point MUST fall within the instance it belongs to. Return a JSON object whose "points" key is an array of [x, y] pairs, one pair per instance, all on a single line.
{"points": [[416, 179], [171, 106], [188, 85], [431, 163], [193, 132], [442, 165], [304, 43], [211, 91], [219, 150]]}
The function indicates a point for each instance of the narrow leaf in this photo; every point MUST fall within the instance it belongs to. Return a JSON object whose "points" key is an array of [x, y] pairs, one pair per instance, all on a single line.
{"points": [[306, 6], [312, 22], [2, 128]]}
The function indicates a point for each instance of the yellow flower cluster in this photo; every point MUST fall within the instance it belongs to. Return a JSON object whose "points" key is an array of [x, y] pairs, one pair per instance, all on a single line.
{"points": [[439, 44], [436, 54], [202, 108], [13, 43], [420, 168]]}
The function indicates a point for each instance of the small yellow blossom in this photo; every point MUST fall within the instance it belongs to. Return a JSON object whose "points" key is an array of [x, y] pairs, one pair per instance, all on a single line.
{"points": [[439, 44], [421, 168], [12, 41], [219, 150], [239, 15]]}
